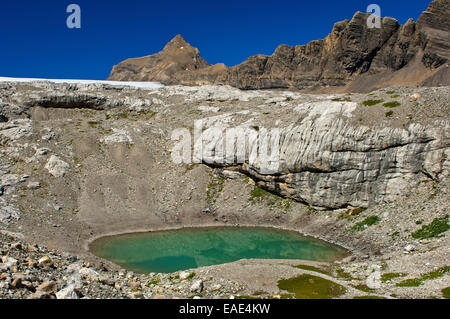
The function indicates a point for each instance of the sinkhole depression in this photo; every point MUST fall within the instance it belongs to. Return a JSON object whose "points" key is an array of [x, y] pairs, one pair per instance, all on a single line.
{"points": [[173, 250]]}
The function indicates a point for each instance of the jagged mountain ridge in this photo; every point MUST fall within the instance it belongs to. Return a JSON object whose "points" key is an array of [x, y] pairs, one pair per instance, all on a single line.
{"points": [[352, 57]]}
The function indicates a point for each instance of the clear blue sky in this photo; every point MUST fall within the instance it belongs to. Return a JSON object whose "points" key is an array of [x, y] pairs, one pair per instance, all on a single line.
{"points": [[35, 41]]}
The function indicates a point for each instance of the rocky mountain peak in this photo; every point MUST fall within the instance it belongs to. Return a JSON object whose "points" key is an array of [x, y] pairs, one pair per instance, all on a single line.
{"points": [[177, 43], [175, 62]]}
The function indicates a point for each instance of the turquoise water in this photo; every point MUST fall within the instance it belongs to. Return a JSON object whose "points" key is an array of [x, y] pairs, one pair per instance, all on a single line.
{"points": [[170, 251]]}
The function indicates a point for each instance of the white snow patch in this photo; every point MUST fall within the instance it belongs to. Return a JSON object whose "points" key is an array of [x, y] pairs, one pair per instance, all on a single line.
{"points": [[150, 85]]}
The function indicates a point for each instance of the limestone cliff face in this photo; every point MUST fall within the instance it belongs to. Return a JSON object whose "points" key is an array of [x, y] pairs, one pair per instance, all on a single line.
{"points": [[328, 163], [352, 55], [328, 160]]}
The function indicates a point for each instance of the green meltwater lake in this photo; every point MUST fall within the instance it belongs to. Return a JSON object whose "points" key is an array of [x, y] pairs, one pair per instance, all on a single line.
{"points": [[173, 250]]}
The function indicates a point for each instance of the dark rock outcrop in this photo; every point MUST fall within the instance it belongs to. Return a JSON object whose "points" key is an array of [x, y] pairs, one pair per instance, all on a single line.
{"points": [[348, 51], [68, 100], [435, 26], [352, 56]]}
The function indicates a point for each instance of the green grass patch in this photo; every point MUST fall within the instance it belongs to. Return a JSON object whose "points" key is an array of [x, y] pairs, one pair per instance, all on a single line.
{"points": [[371, 220], [154, 281], [342, 99], [283, 204], [369, 297], [313, 268], [287, 296], [258, 194], [416, 282], [248, 297], [388, 113], [395, 234], [351, 212], [312, 210], [355, 211], [190, 276], [446, 293], [372, 102], [437, 273], [395, 96], [215, 186], [341, 273], [435, 228], [390, 92], [190, 167], [93, 124], [363, 287], [391, 275], [391, 104], [136, 289], [146, 115], [176, 277], [311, 287]]}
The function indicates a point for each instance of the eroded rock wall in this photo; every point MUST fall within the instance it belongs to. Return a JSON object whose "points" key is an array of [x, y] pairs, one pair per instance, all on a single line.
{"points": [[328, 163]]}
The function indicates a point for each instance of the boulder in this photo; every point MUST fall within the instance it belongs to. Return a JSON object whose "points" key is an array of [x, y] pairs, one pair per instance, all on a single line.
{"points": [[48, 287], [197, 286], [33, 185], [56, 166], [45, 261], [409, 248], [374, 280], [67, 293], [185, 274]]}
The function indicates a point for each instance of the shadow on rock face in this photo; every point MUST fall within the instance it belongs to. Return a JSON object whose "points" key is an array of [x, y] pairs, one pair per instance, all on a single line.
{"points": [[3, 118]]}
